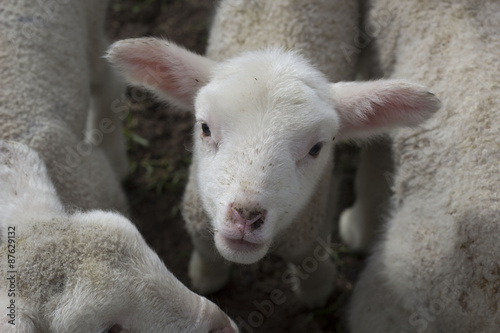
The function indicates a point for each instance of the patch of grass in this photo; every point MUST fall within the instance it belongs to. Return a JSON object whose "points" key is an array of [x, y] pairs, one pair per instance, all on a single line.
{"points": [[133, 138], [164, 175]]}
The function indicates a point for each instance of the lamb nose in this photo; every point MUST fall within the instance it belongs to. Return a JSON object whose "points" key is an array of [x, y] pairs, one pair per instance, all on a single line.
{"points": [[249, 217]]}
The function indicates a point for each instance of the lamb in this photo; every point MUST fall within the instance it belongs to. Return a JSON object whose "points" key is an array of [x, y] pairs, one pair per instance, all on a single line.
{"points": [[83, 271], [437, 267], [265, 128], [317, 29], [56, 97], [242, 195]]}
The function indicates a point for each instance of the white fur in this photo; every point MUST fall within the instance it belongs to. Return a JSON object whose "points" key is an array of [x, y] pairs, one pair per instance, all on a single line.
{"points": [[85, 271], [437, 266], [265, 110]]}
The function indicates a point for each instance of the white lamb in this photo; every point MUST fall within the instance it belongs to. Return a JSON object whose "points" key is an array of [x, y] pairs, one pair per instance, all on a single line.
{"points": [[317, 29], [52, 73], [84, 271], [263, 142], [437, 268]]}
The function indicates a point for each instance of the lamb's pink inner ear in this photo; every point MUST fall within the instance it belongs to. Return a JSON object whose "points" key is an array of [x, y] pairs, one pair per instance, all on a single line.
{"points": [[171, 72], [370, 108]]}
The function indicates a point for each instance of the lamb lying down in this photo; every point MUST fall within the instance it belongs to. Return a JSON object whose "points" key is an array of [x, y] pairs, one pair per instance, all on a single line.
{"points": [[263, 143], [82, 272]]}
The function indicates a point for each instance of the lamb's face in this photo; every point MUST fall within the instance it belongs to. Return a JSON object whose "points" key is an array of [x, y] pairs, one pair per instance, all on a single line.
{"points": [[262, 149], [266, 122], [100, 276]]}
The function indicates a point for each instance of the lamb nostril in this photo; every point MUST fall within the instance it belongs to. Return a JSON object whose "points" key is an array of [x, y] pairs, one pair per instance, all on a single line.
{"points": [[257, 224], [253, 218]]}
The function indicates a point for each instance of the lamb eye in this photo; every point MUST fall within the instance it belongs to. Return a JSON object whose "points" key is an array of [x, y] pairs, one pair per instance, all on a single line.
{"points": [[205, 129], [316, 149]]}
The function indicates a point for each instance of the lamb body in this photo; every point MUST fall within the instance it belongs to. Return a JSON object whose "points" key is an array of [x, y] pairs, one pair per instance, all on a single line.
{"points": [[316, 29], [84, 271], [266, 120], [437, 267]]}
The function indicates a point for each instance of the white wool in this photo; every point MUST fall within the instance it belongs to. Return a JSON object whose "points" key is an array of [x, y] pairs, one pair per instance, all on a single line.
{"points": [[437, 266]]}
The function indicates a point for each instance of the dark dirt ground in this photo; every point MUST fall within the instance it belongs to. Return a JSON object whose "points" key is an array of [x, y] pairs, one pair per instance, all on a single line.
{"points": [[159, 142]]}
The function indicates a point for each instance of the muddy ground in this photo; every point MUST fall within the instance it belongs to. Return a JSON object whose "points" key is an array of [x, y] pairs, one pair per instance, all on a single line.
{"points": [[159, 142]]}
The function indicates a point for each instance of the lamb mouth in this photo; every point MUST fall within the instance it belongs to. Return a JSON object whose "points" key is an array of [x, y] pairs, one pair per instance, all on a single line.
{"points": [[241, 244]]}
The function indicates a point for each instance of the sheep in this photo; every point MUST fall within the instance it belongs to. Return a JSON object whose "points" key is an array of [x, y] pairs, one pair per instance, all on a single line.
{"points": [[265, 128], [57, 96], [320, 30], [436, 268], [83, 271]]}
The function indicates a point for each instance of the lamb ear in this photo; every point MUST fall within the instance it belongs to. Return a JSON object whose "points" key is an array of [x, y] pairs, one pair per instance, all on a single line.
{"points": [[170, 71], [373, 107]]}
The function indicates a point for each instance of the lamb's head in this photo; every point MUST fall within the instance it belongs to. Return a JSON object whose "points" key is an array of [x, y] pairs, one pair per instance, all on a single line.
{"points": [[263, 138], [93, 272], [266, 125], [87, 271]]}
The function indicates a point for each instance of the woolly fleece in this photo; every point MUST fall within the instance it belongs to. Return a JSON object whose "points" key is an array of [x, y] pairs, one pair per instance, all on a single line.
{"points": [[50, 68], [437, 268]]}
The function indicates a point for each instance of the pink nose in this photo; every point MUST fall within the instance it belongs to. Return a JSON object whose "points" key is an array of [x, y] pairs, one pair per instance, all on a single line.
{"points": [[248, 217]]}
